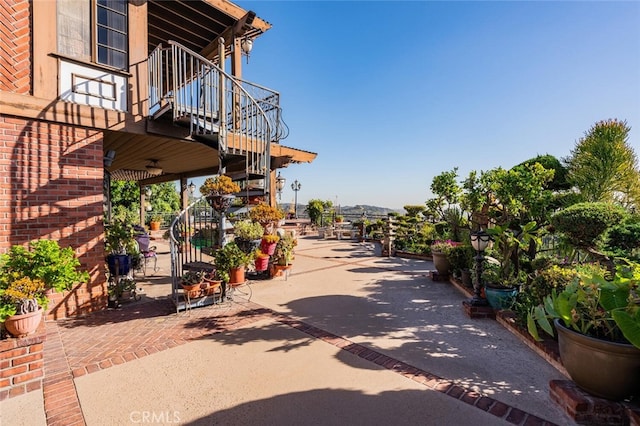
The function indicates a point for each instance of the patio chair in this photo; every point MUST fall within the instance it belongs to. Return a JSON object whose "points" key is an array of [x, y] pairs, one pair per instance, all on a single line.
{"points": [[147, 252]]}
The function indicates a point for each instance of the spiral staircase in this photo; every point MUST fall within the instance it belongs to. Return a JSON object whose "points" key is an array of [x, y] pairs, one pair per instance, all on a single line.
{"points": [[237, 119]]}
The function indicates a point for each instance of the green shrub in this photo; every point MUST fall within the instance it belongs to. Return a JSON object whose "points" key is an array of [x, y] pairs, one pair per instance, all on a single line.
{"points": [[584, 223]]}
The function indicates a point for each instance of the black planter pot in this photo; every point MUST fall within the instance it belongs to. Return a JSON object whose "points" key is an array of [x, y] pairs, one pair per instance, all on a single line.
{"points": [[602, 368]]}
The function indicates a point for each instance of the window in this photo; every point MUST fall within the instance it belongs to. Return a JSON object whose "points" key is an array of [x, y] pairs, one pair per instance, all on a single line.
{"points": [[111, 30], [103, 21]]}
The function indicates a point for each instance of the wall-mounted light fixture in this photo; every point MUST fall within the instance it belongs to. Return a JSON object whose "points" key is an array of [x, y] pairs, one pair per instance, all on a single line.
{"points": [[109, 157]]}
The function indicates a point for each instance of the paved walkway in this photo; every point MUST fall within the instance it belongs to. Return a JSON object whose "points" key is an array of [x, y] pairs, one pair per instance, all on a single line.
{"points": [[348, 338]]}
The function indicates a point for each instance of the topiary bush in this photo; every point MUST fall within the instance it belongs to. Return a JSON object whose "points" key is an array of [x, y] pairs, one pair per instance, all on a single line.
{"points": [[584, 223]]}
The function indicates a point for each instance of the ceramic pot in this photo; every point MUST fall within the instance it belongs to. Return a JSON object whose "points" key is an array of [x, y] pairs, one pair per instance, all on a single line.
{"points": [[500, 298], [602, 368], [262, 263], [25, 324], [441, 263]]}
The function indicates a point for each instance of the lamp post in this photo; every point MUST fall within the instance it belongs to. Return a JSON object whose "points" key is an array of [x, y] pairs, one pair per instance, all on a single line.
{"points": [[479, 241], [280, 181], [296, 187]]}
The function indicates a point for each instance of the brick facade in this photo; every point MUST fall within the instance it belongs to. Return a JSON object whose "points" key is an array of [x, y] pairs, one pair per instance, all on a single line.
{"points": [[51, 186], [15, 52]]}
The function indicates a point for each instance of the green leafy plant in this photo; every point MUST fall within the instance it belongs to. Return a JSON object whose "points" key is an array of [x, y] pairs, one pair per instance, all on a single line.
{"points": [[45, 260], [229, 257], [248, 230], [118, 238], [594, 306], [284, 252]]}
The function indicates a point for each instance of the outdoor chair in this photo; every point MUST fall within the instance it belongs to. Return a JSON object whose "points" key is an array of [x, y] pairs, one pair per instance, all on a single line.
{"points": [[147, 252]]}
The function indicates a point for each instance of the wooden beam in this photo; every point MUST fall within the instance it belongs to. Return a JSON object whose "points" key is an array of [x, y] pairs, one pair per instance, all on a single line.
{"points": [[228, 35]]}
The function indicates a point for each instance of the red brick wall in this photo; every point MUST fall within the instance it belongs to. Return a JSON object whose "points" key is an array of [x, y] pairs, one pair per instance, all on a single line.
{"points": [[51, 179], [22, 364], [15, 36]]}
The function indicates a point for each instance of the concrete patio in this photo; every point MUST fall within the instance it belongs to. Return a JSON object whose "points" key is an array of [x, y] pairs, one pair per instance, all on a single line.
{"points": [[348, 338]]}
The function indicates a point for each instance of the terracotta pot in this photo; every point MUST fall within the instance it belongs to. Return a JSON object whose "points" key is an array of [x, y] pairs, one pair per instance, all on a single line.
{"points": [[236, 276], [23, 325], [602, 368], [192, 290], [155, 226]]}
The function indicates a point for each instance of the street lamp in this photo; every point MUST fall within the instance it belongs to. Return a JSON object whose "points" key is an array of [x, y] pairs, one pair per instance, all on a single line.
{"points": [[479, 241], [296, 187], [280, 181]]}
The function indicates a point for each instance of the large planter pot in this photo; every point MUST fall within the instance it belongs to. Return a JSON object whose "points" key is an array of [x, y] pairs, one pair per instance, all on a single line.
{"points": [[247, 246], [23, 325], [236, 276], [119, 264], [154, 226], [602, 368], [441, 262], [500, 297]]}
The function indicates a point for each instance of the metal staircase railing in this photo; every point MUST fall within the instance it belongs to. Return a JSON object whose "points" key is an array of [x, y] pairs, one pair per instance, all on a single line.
{"points": [[238, 117]]}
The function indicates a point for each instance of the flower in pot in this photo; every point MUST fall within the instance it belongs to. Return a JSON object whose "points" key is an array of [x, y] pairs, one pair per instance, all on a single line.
{"points": [[219, 191], [22, 300], [191, 282], [261, 260], [440, 252], [268, 243], [265, 214], [598, 326]]}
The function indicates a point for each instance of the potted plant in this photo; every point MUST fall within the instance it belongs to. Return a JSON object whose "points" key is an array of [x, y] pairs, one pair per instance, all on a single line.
{"points": [[440, 251], [261, 261], [283, 254], [22, 301], [598, 326], [461, 260], [509, 245], [268, 243], [155, 222], [121, 246], [219, 191], [230, 263], [265, 214], [191, 282], [247, 234]]}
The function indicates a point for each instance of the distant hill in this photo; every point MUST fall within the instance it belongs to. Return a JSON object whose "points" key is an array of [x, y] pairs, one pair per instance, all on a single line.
{"points": [[348, 211]]}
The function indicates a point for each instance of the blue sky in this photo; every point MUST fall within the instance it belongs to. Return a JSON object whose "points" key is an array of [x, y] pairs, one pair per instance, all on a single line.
{"points": [[390, 94]]}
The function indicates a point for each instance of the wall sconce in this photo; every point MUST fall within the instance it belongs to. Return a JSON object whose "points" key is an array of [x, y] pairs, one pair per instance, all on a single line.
{"points": [[280, 185], [192, 188], [154, 168], [246, 45], [147, 191]]}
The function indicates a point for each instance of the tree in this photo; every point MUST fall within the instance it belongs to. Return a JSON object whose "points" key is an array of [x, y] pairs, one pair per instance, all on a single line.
{"points": [[603, 167], [447, 193], [125, 199], [315, 209]]}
